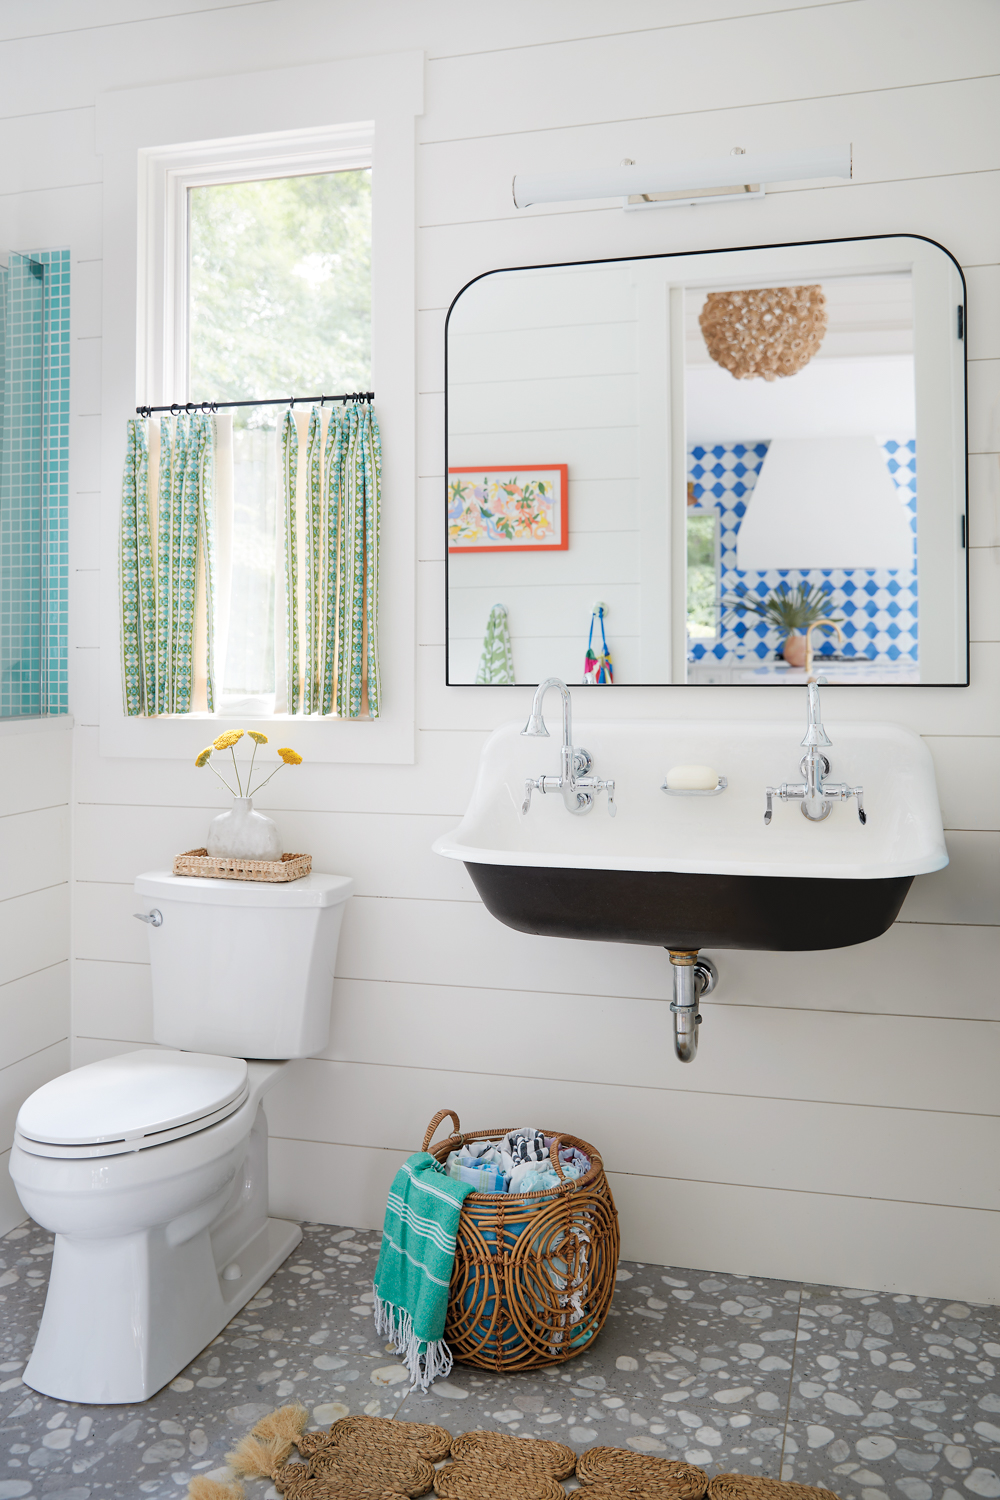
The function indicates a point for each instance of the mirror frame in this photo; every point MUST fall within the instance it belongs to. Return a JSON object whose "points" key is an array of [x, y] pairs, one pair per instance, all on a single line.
{"points": [[961, 314]]}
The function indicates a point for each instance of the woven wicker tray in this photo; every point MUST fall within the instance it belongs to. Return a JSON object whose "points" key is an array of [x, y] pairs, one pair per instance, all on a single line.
{"points": [[200, 862]]}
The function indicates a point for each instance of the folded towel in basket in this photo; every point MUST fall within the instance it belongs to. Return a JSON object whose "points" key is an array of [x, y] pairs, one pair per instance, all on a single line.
{"points": [[415, 1265], [482, 1174]]}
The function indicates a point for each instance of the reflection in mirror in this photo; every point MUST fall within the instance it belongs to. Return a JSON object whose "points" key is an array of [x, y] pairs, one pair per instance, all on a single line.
{"points": [[716, 451], [808, 480]]}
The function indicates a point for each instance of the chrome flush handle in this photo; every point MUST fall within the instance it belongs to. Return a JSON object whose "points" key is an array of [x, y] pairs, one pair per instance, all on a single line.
{"points": [[154, 917]]}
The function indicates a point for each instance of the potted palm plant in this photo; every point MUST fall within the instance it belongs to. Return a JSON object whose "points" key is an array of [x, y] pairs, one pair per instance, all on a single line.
{"points": [[789, 611]]}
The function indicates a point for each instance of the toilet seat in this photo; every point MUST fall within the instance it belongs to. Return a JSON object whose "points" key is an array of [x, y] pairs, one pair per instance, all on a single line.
{"points": [[128, 1103]]}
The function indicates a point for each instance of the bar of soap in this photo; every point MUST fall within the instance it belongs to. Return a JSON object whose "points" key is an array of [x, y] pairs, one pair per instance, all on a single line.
{"points": [[692, 779]]}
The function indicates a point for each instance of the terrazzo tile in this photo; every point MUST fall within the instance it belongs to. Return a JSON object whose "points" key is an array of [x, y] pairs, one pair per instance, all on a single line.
{"points": [[307, 1335], [689, 1365], [895, 1394], [733, 1373]]}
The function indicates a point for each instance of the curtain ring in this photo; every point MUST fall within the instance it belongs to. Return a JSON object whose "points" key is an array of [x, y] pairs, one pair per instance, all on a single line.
{"points": [[175, 410], [291, 403], [322, 402]]}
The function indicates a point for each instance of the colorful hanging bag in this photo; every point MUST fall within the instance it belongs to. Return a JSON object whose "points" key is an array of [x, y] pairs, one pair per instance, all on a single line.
{"points": [[598, 670]]}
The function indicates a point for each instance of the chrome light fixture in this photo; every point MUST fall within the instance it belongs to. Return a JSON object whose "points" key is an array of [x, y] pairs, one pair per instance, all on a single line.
{"points": [[717, 179]]}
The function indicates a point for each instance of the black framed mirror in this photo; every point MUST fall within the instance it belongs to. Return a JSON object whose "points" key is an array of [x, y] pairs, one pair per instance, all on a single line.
{"points": [[665, 469]]}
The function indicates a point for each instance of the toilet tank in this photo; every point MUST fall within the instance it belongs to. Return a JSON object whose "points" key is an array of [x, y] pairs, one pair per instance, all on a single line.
{"points": [[243, 968]]}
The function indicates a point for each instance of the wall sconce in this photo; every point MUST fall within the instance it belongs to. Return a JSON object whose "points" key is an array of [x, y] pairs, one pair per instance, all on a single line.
{"points": [[718, 179]]}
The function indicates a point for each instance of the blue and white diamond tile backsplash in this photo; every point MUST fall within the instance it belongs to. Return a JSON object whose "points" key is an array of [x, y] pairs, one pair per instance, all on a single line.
{"points": [[877, 606]]}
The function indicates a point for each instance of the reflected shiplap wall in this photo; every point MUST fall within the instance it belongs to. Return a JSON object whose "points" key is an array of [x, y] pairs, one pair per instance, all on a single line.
{"points": [[841, 1120], [544, 368]]}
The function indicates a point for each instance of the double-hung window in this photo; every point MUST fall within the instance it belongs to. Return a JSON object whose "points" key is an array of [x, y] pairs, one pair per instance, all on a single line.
{"points": [[326, 118], [278, 300], [266, 298]]}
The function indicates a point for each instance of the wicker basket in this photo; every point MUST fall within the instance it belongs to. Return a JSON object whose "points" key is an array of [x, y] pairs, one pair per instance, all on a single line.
{"points": [[200, 862], [534, 1272]]}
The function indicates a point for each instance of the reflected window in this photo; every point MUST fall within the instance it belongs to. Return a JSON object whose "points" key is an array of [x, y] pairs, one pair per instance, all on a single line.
{"points": [[702, 578]]}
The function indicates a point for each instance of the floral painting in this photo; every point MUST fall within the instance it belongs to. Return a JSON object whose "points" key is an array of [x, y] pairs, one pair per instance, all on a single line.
{"points": [[508, 510]]}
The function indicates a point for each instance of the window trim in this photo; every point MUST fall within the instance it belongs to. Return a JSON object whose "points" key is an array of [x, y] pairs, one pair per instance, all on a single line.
{"points": [[262, 123], [165, 176]]}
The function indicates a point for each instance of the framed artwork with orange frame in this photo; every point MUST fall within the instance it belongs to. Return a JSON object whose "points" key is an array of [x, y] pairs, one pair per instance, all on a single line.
{"points": [[514, 508]]}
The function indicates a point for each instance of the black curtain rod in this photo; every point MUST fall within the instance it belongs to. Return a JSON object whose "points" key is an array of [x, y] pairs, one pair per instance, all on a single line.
{"points": [[207, 407]]}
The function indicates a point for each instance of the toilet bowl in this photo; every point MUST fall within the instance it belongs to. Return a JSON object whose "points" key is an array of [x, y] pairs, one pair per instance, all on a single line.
{"points": [[150, 1167]]}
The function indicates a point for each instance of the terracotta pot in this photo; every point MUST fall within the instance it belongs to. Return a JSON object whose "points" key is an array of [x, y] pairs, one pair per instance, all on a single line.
{"points": [[794, 650]]}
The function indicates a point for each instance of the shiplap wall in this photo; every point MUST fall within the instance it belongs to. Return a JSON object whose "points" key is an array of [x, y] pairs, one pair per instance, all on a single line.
{"points": [[35, 763], [841, 1120]]}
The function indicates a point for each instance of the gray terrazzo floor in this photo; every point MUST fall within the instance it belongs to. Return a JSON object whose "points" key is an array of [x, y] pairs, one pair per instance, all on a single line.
{"points": [[871, 1395]]}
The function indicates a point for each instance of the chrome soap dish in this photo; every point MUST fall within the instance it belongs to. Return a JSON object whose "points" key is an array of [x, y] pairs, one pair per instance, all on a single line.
{"points": [[685, 791]]}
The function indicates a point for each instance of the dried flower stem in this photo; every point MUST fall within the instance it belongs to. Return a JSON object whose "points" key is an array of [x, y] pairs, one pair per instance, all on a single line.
{"points": [[266, 779], [225, 783]]}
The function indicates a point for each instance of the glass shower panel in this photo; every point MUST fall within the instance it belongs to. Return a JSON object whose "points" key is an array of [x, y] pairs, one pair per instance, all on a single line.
{"points": [[22, 316]]}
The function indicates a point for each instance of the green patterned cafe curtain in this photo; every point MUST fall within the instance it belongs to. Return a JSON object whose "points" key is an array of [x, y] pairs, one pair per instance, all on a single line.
{"points": [[331, 464], [167, 565], [176, 577], [496, 665]]}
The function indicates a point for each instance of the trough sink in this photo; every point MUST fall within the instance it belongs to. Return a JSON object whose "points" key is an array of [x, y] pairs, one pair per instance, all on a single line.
{"points": [[686, 872]]}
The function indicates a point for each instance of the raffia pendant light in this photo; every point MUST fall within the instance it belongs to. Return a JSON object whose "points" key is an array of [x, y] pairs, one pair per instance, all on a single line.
{"points": [[768, 332]]}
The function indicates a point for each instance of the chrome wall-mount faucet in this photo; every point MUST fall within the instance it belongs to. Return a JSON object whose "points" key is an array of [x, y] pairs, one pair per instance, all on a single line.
{"points": [[816, 795], [574, 782]]}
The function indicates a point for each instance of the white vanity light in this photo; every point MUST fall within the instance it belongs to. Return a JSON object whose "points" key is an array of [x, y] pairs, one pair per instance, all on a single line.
{"points": [[645, 184]]}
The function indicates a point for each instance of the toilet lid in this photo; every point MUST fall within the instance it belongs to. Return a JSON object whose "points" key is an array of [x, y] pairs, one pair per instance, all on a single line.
{"points": [[129, 1102]]}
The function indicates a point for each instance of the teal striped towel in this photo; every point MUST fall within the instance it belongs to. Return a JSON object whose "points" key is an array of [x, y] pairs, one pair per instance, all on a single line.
{"points": [[415, 1265]]}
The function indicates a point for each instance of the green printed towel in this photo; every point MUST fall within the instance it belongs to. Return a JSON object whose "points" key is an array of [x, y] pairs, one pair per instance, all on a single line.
{"points": [[415, 1265], [496, 664]]}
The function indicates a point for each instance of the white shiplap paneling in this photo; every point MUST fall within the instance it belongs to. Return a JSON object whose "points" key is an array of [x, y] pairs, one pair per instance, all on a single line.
{"points": [[803, 1049]]}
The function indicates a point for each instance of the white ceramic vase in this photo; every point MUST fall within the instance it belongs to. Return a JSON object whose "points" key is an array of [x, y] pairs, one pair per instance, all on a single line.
{"points": [[242, 833]]}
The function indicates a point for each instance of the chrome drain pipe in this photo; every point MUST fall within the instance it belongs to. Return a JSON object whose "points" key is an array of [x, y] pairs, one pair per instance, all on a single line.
{"points": [[694, 976]]}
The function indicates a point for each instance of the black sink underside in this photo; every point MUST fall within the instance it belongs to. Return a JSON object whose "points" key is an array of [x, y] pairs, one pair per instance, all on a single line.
{"points": [[671, 910]]}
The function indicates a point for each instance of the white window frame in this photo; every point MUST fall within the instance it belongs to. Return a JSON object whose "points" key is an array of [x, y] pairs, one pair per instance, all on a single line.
{"points": [[318, 118], [164, 272]]}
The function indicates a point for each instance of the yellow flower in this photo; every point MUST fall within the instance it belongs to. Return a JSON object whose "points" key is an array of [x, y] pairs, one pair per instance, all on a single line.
{"points": [[290, 757], [204, 757], [259, 739], [225, 741]]}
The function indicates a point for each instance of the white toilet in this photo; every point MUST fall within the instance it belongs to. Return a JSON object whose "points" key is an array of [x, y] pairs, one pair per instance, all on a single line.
{"points": [[151, 1167]]}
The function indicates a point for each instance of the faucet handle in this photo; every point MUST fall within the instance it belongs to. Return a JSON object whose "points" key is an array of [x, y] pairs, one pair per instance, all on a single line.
{"points": [[532, 784], [609, 787], [769, 810], [858, 793]]}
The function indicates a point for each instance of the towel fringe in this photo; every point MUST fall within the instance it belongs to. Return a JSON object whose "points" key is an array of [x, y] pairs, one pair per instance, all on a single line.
{"points": [[426, 1360]]}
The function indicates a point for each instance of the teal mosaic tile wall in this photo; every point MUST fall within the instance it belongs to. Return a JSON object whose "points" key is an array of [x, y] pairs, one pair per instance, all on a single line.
{"points": [[55, 480], [34, 483]]}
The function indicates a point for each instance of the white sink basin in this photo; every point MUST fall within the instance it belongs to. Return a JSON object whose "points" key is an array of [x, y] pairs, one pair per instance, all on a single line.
{"points": [[744, 884]]}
